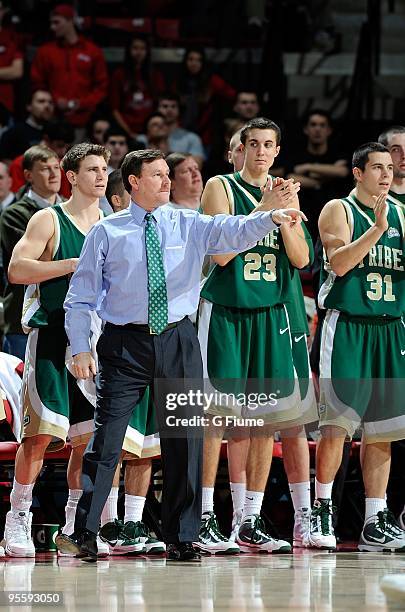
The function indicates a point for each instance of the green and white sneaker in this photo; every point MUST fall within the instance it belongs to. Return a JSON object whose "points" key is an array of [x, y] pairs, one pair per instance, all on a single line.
{"points": [[252, 537], [139, 531], [118, 540], [382, 533], [321, 533], [211, 540]]}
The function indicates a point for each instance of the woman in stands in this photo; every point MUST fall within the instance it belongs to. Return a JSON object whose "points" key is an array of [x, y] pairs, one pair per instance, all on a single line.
{"points": [[201, 94], [134, 87]]}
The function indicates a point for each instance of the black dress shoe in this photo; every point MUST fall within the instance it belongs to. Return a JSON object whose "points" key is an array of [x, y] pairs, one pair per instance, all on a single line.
{"points": [[184, 551], [82, 543]]}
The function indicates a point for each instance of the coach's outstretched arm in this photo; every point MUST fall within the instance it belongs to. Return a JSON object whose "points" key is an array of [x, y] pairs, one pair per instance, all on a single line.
{"points": [[226, 233], [82, 297]]}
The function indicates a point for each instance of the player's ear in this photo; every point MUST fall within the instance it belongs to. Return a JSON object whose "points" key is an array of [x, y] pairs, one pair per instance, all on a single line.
{"points": [[277, 151], [357, 173], [71, 177]]}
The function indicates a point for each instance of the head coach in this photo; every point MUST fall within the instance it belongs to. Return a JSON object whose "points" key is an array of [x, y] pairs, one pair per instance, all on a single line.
{"points": [[140, 270]]}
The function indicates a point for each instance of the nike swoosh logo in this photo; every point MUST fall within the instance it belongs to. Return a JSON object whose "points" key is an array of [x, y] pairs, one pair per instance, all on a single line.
{"points": [[251, 498], [299, 338], [374, 539], [402, 352], [282, 331]]}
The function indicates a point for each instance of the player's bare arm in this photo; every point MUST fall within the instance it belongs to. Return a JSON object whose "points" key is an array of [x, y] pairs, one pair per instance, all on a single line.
{"points": [[214, 201], [31, 258], [334, 230]]}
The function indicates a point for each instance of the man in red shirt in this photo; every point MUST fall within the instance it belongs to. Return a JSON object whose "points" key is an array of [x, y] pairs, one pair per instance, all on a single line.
{"points": [[11, 63], [72, 68]]}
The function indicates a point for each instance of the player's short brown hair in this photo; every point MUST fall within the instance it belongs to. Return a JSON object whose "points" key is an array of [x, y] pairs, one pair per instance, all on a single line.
{"points": [[75, 155]]}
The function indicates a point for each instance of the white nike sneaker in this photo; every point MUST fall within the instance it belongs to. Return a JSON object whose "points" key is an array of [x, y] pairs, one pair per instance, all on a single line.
{"points": [[321, 533], [236, 523], [17, 534], [382, 533], [302, 525]]}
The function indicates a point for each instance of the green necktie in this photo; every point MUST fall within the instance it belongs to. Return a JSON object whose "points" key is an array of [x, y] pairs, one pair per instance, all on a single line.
{"points": [[157, 306]]}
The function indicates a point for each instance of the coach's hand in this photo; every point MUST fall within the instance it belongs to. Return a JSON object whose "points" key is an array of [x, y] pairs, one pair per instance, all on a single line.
{"points": [[278, 193], [291, 216], [84, 365]]}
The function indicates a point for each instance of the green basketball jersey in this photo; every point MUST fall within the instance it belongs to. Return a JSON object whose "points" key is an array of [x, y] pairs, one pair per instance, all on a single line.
{"points": [[396, 198], [43, 302], [376, 286], [261, 276]]}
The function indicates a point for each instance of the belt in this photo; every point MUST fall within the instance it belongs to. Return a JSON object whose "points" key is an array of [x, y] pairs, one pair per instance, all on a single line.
{"points": [[141, 327]]}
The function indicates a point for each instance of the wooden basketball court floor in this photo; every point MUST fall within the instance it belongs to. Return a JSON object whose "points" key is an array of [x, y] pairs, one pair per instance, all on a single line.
{"points": [[305, 580]]}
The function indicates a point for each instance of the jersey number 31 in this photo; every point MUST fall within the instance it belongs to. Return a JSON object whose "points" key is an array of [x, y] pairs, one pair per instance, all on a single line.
{"points": [[376, 287]]}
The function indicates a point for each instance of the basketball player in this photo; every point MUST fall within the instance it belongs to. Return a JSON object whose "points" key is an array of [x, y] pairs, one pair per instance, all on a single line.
{"points": [[237, 297], [363, 345]]}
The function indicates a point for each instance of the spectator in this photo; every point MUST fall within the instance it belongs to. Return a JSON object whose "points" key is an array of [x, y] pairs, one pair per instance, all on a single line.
{"points": [[156, 133], [219, 163], [6, 195], [42, 172], [187, 184], [98, 128], [180, 140], [24, 134], [117, 142], [72, 68], [319, 167], [11, 63], [134, 86], [201, 92], [57, 136], [246, 105], [116, 194]]}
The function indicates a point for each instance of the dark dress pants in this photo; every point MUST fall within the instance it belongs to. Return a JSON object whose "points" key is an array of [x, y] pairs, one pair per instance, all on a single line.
{"points": [[129, 360]]}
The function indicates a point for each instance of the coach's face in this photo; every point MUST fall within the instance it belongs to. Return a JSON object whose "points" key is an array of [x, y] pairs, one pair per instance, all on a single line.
{"points": [[152, 188]]}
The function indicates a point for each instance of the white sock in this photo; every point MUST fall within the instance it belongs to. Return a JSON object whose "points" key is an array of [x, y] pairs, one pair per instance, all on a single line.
{"points": [[238, 492], [207, 499], [374, 505], [110, 510], [70, 511], [301, 495], [134, 505], [21, 497], [253, 503], [323, 490]]}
